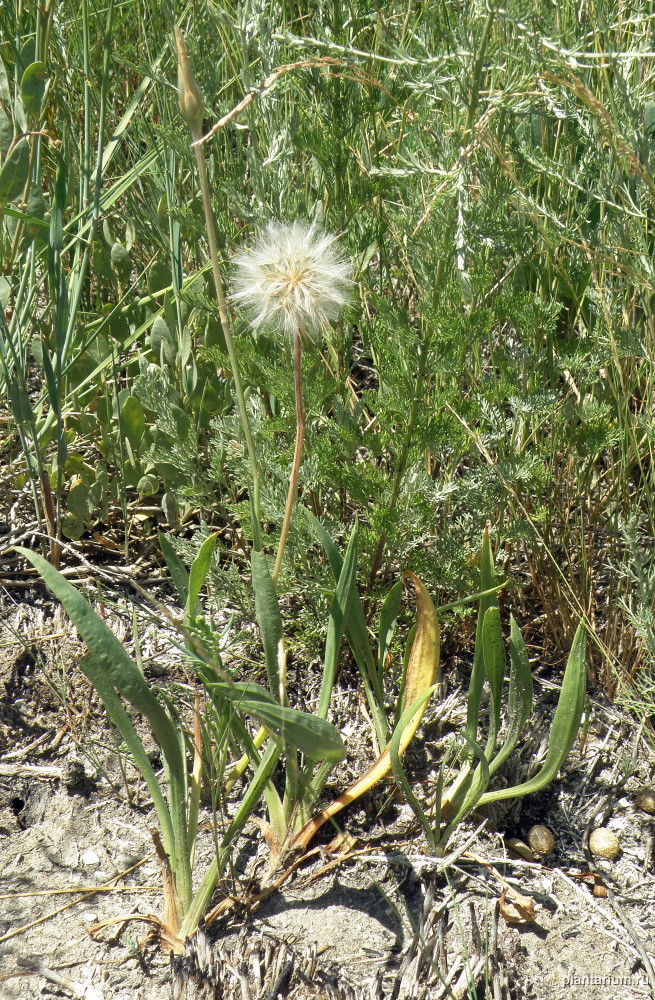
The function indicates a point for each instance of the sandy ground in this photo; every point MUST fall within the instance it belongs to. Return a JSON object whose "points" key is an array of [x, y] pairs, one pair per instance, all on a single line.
{"points": [[387, 922]]}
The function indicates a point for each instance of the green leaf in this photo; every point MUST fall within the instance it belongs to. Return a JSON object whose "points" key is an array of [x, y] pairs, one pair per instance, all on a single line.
{"points": [[94, 670], [133, 420], [159, 277], [32, 86], [198, 575], [121, 261], [20, 402], [108, 651], [56, 236], [78, 501], [493, 649], [356, 634], [475, 787], [14, 173], [5, 291], [388, 618], [487, 582], [101, 261], [397, 768], [171, 509], [649, 120], [148, 485], [5, 90], [6, 133], [267, 612], [161, 340], [313, 736], [73, 527], [409, 645], [26, 54], [564, 729], [519, 702], [179, 572], [338, 620]]}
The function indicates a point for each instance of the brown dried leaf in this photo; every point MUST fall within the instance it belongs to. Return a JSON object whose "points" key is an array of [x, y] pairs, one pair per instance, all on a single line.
{"points": [[515, 908]]}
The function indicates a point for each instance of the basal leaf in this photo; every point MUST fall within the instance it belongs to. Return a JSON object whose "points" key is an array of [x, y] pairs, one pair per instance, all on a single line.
{"points": [[311, 735], [339, 615], [179, 572], [493, 650], [198, 575], [565, 726], [487, 582]]}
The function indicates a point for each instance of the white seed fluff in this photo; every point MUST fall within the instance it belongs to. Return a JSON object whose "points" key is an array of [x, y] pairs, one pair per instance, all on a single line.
{"points": [[294, 278]]}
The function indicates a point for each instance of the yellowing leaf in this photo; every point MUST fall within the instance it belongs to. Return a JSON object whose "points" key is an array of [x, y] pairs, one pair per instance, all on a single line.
{"points": [[422, 674]]}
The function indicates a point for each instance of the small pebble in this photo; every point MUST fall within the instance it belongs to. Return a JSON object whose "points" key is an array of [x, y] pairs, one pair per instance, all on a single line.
{"points": [[604, 844], [90, 858], [646, 799], [518, 847], [541, 840]]}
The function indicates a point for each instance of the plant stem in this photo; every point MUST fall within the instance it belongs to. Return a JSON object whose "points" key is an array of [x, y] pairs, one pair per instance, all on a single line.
{"points": [[229, 339], [297, 452]]}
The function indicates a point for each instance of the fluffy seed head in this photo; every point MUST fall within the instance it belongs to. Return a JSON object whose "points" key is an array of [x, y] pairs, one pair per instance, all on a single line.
{"points": [[294, 279]]}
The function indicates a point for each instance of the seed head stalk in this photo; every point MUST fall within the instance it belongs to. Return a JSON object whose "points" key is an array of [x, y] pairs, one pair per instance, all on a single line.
{"points": [[294, 281], [191, 106], [297, 451]]}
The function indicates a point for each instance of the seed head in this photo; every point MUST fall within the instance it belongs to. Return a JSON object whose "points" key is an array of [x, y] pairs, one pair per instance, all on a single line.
{"points": [[294, 279]]}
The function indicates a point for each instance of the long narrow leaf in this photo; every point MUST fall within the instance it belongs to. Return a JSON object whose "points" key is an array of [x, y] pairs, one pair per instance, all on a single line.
{"points": [[564, 729], [519, 701], [177, 569], [120, 670], [474, 789], [487, 583], [388, 618], [339, 613], [493, 651], [313, 736], [108, 650], [94, 671], [356, 634], [198, 575], [398, 770]]}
